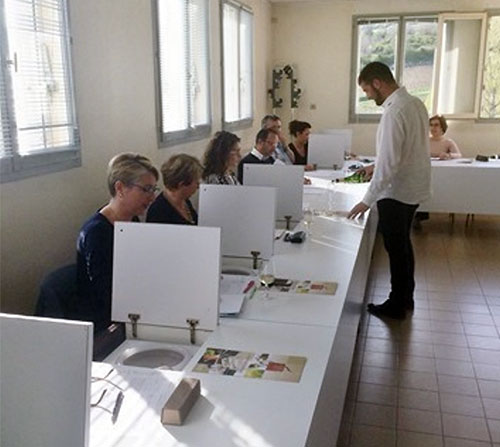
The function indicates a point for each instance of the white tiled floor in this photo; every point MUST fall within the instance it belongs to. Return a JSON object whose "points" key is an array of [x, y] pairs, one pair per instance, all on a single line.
{"points": [[432, 380]]}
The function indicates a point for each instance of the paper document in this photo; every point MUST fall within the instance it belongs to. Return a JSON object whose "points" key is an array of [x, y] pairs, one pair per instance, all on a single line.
{"points": [[233, 291]]}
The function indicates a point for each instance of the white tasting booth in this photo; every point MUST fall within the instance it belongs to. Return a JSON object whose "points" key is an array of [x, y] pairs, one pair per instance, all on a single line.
{"points": [[45, 375]]}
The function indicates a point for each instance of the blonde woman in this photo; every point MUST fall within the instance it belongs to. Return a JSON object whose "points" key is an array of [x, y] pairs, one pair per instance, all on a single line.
{"points": [[132, 185], [181, 178]]}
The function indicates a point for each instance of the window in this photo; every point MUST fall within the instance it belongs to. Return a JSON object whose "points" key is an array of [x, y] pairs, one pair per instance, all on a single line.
{"points": [[490, 104], [39, 132], [406, 45], [237, 38], [458, 67], [184, 105], [437, 58]]}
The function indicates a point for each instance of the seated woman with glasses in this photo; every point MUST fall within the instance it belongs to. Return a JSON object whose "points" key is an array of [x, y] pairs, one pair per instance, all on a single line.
{"points": [[181, 176], [442, 147], [132, 185], [221, 159]]}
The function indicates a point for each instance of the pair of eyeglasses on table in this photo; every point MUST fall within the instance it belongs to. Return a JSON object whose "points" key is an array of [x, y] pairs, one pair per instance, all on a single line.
{"points": [[119, 397]]}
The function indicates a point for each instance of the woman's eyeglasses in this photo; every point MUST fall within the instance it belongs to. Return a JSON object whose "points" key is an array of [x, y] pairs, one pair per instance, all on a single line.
{"points": [[148, 189]]}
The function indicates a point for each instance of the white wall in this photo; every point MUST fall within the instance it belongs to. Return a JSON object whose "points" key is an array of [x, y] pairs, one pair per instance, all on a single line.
{"points": [[316, 38], [115, 93]]}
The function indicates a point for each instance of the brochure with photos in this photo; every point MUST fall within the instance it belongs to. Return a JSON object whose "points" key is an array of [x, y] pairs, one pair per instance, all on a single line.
{"points": [[304, 287], [226, 362]]}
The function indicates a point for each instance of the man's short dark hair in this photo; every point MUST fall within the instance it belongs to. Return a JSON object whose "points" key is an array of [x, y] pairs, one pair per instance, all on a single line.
{"points": [[267, 118], [376, 70], [262, 134]]}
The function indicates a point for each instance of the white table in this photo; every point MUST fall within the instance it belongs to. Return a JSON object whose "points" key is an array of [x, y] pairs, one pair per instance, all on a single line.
{"points": [[459, 187], [259, 413]]}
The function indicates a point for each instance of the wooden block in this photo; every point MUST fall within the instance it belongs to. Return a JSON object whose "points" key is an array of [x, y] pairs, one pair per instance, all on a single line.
{"points": [[180, 402]]}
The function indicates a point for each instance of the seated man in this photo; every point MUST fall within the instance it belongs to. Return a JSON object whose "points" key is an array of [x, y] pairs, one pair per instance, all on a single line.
{"points": [[282, 151], [265, 144]]}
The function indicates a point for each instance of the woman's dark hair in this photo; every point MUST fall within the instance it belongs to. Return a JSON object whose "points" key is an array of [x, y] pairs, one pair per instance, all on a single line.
{"points": [[217, 153], [295, 127], [442, 122]]}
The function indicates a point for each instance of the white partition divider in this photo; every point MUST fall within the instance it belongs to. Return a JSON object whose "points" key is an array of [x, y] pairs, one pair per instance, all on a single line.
{"points": [[45, 373], [327, 149], [246, 215], [166, 274], [289, 184]]}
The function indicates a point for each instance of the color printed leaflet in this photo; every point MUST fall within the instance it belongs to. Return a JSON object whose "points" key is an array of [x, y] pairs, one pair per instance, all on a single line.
{"points": [[284, 368]]}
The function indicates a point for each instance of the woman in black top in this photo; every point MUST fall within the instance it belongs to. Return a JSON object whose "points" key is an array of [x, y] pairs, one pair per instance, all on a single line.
{"points": [[300, 131], [181, 177], [132, 185]]}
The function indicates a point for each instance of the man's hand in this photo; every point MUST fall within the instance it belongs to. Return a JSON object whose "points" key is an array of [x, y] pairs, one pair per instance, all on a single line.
{"points": [[307, 181], [358, 210], [444, 156], [366, 172]]}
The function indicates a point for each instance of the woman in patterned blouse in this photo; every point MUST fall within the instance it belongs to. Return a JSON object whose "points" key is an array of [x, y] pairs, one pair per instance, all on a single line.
{"points": [[221, 159]]}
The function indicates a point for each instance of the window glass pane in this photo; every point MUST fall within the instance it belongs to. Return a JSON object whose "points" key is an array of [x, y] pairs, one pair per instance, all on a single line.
{"points": [[458, 71], [231, 76], [41, 81], [490, 100], [172, 30], [246, 64], [198, 68], [419, 52], [376, 42]]}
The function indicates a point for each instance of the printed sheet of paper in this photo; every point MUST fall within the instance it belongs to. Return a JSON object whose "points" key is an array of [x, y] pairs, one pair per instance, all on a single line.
{"points": [[283, 368], [304, 287]]}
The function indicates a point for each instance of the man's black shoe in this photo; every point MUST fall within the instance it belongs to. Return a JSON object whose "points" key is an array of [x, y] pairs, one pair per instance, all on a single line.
{"points": [[387, 309]]}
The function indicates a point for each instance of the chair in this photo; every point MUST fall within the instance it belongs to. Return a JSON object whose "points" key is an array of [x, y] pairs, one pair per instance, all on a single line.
{"points": [[57, 293]]}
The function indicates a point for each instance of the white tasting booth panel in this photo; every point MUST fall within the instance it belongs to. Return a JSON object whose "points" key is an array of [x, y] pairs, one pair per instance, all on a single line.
{"points": [[289, 184], [166, 274], [328, 149], [45, 370], [246, 215]]}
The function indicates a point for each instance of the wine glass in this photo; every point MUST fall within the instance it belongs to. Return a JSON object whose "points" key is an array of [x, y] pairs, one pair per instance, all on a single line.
{"points": [[308, 218], [267, 280]]}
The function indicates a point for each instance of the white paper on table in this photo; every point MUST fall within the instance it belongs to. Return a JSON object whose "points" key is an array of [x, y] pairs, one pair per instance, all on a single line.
{"points": [[233, 291]]}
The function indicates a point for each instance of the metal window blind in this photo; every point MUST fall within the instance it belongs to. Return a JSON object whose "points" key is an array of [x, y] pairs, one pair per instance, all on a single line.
{"points": [[183, 64], [40, 69]]}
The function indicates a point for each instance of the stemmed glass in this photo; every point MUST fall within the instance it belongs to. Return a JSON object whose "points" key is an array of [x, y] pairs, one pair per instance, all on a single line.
{"points": [[267, 278], [308, 218]]}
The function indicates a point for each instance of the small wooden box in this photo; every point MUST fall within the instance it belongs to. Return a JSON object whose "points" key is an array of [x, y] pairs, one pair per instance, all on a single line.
{"points": [[180, 402]]}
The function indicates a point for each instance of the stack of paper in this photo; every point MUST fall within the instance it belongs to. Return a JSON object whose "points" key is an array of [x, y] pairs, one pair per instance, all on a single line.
{"points": [[233, 291]]}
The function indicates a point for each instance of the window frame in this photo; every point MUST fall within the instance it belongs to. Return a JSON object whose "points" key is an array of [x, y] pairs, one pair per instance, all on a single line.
{"points": [[13, 165], [489, 13], [402, 19], [245, 122], [169, 139], [479, 69]]}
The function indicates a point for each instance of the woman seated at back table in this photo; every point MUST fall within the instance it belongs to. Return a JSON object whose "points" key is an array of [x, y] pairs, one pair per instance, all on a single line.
{"points": [[181, 176], [132, 185], [221, 159], [300, 131], [441, 147]]}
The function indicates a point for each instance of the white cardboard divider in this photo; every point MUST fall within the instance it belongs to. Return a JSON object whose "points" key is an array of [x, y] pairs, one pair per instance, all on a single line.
{"points": [[328, 148], [166, 274], [288, 181], [45, 372], [246, 215]]}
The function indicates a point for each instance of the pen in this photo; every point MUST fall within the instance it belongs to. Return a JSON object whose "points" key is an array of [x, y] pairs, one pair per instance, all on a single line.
{"points": [[249, 286]]}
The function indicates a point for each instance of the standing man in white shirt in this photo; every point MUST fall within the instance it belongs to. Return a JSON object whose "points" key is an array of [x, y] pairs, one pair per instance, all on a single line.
{"points": [[400, 182]]}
